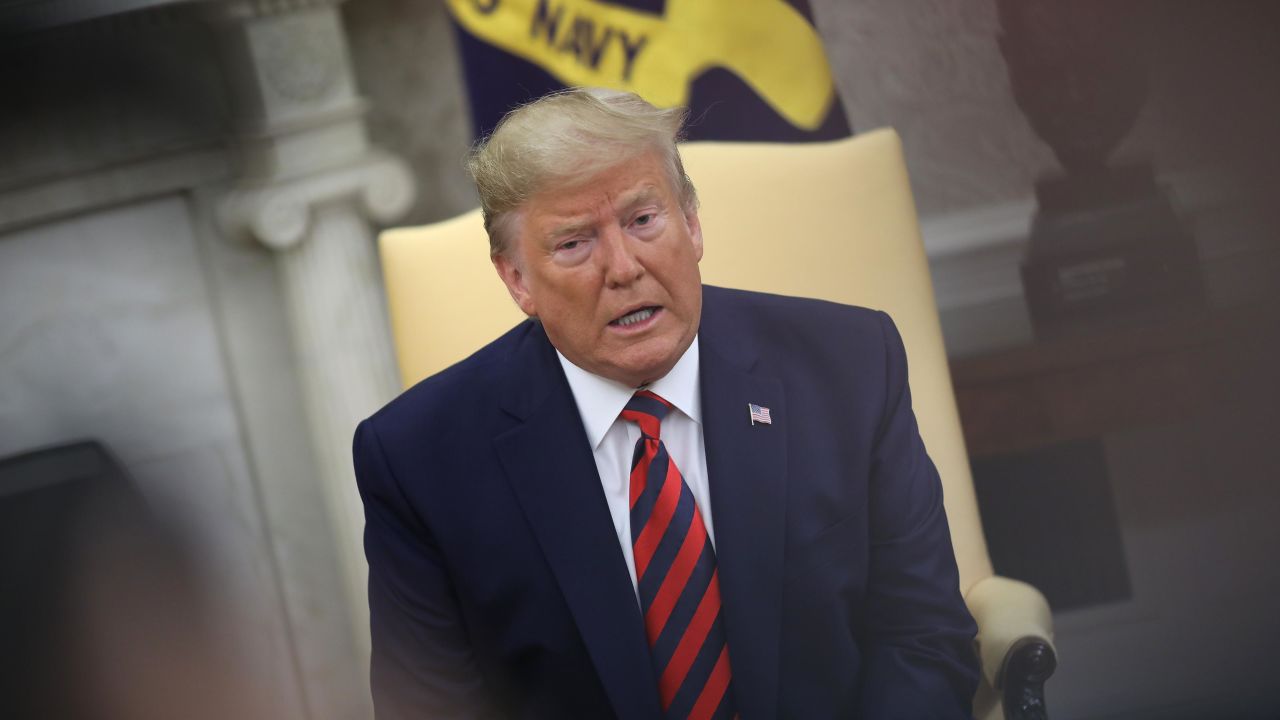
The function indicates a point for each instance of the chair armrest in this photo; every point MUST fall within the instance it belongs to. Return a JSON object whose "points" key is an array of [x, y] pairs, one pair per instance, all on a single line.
{"points": [[1015, 643]]}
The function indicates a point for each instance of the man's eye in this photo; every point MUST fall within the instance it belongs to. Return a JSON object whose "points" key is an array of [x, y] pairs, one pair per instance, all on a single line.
{"points": [[644, 219], [570, 245]]}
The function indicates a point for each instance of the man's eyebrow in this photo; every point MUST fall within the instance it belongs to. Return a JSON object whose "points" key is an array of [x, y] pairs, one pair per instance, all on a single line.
{"points": [[570, 227], [643, 195]]}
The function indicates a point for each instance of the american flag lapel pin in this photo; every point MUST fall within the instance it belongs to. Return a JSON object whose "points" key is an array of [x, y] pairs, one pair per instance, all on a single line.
{"points": [[759, 414]]}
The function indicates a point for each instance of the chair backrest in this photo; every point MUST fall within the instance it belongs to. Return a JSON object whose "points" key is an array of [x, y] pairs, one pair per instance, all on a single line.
{"points": [[826, 220]]}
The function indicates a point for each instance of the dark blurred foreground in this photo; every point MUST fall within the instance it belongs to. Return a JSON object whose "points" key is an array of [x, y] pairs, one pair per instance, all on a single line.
{"points": [[102, 614]]}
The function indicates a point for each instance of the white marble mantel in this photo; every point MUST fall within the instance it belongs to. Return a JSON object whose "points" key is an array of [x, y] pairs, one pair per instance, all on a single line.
{"points": [[218, 151], [310, 188]]}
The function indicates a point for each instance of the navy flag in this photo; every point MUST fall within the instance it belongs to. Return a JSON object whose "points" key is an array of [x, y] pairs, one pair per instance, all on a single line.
{"points": [[747, 69]]}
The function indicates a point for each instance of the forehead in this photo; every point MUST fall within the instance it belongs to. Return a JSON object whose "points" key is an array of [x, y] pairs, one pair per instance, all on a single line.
{"points": [[642, 178]]}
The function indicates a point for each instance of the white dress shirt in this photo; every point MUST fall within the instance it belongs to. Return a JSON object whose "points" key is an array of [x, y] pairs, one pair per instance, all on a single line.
{"points": [[613, 440]]}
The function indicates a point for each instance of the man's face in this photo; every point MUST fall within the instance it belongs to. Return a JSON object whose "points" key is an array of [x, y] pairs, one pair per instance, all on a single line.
{"points": [[610, 267]]}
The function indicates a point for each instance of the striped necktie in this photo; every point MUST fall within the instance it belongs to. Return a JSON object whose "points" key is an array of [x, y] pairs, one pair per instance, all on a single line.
{"points": [[676, 575]]}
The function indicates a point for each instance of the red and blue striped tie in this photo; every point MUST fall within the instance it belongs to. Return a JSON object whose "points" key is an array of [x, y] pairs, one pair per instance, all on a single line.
{"points": [[676, 574]]}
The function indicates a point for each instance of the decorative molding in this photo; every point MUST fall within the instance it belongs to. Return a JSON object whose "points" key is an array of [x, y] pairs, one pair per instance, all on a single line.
{"points": [[240, 10], [295, 109], [974, 255], [977, 228], [279, 215], [271, 128], [142, 178], [299, 57]]}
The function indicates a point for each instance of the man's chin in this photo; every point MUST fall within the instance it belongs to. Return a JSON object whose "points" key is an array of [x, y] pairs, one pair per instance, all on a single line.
{"points": [[630, 375], [645, 369]]}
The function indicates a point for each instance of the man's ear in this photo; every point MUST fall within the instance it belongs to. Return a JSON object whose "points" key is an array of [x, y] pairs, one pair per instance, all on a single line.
{"points": [[509, 270], [695, 231]]}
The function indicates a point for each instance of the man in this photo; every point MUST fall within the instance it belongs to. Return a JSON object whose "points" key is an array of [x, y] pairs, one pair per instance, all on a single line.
{"points": [[653, 499]]}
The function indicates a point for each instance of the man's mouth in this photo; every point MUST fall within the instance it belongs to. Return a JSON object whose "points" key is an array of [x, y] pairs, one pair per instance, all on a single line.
{"points": [[635, 316]]}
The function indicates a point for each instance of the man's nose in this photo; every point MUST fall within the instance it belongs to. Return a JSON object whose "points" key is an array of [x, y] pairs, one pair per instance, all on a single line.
{"points": [[621, 266]]}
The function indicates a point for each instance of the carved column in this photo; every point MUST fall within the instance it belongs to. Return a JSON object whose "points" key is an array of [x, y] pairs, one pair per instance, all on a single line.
{"points": [[310, 186]]}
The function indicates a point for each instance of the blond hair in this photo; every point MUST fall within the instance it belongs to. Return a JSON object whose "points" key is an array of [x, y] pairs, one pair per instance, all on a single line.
{"points": [[568, 137]]}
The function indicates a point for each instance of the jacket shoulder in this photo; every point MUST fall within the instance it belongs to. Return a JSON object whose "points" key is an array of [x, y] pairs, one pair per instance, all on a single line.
{"points": [[843, 348], [461, 393], [791, 315]]}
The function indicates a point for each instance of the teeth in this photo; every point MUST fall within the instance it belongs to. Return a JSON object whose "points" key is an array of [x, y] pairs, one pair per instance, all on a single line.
{"points": [[635, 317]]}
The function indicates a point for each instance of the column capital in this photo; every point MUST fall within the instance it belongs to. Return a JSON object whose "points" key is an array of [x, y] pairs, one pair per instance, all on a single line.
{"points": [[279, 214], [298, 137]]}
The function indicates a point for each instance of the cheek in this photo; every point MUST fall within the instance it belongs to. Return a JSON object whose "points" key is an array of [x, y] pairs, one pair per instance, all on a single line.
{"points": [[687, 277], [575, 308]]}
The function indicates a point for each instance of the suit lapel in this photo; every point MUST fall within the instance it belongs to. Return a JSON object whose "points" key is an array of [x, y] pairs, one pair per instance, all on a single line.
{"points": [[746, 465], [550, 466]]}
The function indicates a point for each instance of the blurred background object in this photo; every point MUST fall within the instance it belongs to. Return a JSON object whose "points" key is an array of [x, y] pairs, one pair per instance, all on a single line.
{"points": [[1106, 244], [188, 200], [103, 611]]}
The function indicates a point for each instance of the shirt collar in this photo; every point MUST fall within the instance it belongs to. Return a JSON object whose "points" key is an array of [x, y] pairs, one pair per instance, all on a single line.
{"points": [[600, 400]]}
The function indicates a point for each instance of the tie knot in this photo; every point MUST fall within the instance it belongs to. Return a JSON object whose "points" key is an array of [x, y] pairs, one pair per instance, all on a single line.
{"points": [[647, 410]]}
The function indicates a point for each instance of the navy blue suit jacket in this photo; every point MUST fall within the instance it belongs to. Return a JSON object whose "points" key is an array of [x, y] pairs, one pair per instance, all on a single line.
{"points": [[497, 587]]}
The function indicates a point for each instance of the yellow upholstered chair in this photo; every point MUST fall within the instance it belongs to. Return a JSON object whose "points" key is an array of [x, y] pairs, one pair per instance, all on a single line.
{"points": [[827, 220]]}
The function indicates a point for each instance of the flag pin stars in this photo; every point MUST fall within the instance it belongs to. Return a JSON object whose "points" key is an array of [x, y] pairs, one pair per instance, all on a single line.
{"points": [[759, 414]]}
